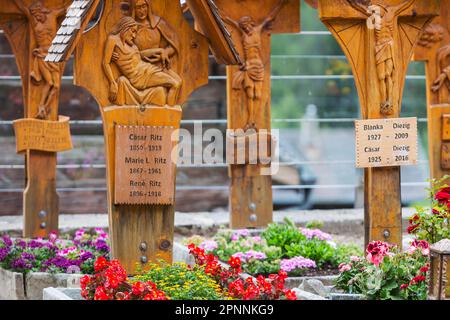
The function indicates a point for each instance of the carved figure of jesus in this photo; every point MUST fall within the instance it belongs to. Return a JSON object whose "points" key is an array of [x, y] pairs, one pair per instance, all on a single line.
{"points": [[384, 44], [252, 71], [44, 24], [140, 79]]}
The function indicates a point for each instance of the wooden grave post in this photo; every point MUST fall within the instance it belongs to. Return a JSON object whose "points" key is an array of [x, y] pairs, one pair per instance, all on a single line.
{"points": [[434, 49], [251, 23], [141, 62], [30, 26], [378, 38]]}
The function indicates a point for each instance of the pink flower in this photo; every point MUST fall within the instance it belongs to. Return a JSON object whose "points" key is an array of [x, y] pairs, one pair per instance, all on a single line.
{"points": [[355, 259], [343, 267], [376, 251], [419, 244]]}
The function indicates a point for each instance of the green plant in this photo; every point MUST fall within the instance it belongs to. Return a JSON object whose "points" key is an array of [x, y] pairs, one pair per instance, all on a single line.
{"points": [[387, 273], [319, 251], [344, 251], [315, 224], [182, 282], [433, 226], [282, 234]]}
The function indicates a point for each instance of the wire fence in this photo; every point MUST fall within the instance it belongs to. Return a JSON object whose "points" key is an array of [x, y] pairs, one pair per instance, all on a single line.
{"points": [[15, 79]]}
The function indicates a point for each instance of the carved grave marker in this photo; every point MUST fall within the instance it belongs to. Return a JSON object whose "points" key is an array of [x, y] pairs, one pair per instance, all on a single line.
{"points": [[141, 62], [378, 38], [251, 22], [30, 26]]}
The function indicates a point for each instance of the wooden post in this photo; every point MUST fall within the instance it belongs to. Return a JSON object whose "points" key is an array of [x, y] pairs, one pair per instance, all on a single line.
{"points": [[30, 27], [434, 49], [378, 38], [251, 23], [140, 62]]}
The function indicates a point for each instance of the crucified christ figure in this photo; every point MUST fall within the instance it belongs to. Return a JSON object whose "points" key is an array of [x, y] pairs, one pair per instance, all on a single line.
{"points": [[44, 24], [384, 17], [252, 71]]}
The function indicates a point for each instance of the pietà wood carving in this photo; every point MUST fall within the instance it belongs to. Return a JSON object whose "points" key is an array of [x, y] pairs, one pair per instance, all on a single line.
{"points": [[251, 23], [434, 49], [378, 38], [141, 62], [30, 27]]}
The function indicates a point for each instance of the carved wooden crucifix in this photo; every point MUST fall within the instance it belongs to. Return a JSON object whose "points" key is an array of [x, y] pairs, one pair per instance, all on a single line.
{"points": [[434, 49], [251, 23], [141, 62], [30, 26], [378, 38]]}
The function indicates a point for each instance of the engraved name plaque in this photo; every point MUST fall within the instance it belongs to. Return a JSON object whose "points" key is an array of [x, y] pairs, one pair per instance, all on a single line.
{"points": [[145, 173], [49, 136], [386, 142]]}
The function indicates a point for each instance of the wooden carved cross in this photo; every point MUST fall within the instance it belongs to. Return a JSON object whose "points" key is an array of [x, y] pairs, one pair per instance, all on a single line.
{"points": [[378, 38], [141, 62], [30, 26], [434, 49], [251, 23]]}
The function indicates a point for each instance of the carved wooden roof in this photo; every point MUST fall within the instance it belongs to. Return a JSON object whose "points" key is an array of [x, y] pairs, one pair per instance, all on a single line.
{"points": [[207, 17], [77, 18]]}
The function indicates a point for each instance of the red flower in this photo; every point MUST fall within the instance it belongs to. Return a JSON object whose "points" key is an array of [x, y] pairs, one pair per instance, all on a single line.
{"points": [[100, 264], [290, 295], [138, 288], [100, 294], [412, 228], [424, 269], [404, 286]]}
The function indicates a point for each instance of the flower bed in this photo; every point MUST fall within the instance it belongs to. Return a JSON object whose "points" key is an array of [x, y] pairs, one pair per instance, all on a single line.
{"points": [[207, 279], [300, 252], [386, 273], [29, 266]]}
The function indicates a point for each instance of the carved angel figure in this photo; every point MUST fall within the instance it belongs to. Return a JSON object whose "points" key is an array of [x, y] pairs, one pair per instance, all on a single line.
{"points": [[384, 44], [44, 23], [252, 73]]}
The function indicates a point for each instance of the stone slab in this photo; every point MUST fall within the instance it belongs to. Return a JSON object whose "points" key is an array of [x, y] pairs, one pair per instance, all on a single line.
{"points": [[11, 285], [36, 282]]}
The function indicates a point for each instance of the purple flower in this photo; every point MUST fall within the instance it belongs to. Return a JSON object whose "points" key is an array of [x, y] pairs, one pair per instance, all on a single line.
{"points": [[251, 254], [316, 233], [3, 253], [209, 245], [234, 237], [239, 255], [21, 264], [20, 243], [101, 245], [86, 255], [243, 233], [7, 241], [73, 269], [257, 239], [299, 262], [35, 244], [28, 256]]}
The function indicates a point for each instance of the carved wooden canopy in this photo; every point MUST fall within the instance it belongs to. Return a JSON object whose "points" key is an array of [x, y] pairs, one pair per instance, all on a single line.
{"points": [[211, 24]]}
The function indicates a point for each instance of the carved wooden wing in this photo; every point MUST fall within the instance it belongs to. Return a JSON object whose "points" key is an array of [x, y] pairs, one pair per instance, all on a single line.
{"points": [[207, 17], [77, 18]]}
